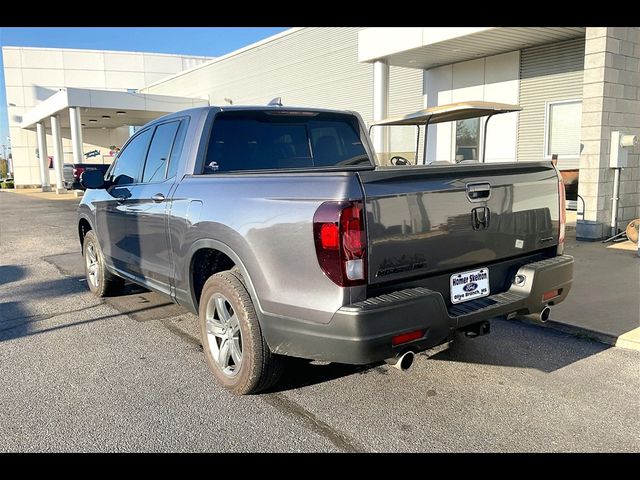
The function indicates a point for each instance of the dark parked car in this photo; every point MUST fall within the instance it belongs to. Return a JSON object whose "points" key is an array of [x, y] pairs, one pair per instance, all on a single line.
{"points": [[73, 173], [278, 228]]}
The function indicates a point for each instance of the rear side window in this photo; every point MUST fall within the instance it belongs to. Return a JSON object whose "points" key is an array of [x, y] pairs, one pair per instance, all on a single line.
{"points": [[160, 152], [177, 149], [247, 140], [129, 163]]}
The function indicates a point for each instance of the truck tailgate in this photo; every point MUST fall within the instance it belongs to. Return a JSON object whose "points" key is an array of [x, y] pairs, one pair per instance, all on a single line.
{"points": [[436, 219]]}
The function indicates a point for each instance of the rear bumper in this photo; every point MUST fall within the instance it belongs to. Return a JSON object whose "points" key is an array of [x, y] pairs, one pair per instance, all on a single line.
{"points": [[73, 184], [361, 333]]}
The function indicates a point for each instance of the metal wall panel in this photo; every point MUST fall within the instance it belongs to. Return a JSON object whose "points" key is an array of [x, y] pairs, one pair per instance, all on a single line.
{"points": [[310, 67], [405, 90], [547, 73], [405, 96]]}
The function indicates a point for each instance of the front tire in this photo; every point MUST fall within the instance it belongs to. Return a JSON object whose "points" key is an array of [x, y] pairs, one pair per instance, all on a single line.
{"points": [[232, 340], [100, 281]]}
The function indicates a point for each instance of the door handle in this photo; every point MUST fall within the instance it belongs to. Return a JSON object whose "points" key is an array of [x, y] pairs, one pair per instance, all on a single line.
{"points": [[478, 192], [158, 198]]}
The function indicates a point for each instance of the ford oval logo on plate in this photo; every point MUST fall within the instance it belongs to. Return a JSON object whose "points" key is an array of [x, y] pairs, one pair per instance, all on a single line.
{"points": [[470, 287]]}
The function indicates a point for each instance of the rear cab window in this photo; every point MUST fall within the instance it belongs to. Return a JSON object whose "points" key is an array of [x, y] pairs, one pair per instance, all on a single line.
{"points": [[276, 140]]}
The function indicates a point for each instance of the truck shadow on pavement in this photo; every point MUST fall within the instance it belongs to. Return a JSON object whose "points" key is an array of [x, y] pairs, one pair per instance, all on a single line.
{"points": [[35, 308], [11, 273], [301, 373], [32, 308], [510, 344]]}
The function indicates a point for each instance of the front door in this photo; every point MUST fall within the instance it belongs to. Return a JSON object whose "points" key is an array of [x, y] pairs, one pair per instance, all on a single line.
{"points": [[147, 209], [132, 218], [116, 227], [146, 233]]}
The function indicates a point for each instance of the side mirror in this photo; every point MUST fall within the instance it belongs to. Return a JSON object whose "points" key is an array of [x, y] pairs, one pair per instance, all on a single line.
{"points": [[92, 179]]}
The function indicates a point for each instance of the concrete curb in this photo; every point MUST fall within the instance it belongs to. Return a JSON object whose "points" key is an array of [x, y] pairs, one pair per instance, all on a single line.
{"points": [[629, 340]]}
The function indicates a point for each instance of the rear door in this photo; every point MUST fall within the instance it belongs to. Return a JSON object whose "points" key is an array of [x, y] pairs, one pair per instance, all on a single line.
{"points": [[424, 220]]}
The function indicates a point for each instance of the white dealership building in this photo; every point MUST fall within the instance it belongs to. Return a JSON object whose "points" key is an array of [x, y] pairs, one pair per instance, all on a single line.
{"points": [[576, 85]]}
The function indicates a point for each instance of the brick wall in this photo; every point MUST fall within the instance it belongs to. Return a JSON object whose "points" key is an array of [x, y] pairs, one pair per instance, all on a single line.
{"points": [[611, 101]]}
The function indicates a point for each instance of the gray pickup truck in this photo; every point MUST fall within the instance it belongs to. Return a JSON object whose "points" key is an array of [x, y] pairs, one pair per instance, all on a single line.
{"points": [[278, 227]]}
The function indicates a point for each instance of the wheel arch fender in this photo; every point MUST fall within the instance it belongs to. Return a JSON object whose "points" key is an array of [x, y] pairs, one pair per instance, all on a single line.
{"points": [[229, 252], [84, 216]]}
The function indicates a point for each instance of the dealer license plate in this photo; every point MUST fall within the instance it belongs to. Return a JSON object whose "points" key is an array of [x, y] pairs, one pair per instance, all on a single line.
{"points": [[469, 285]]}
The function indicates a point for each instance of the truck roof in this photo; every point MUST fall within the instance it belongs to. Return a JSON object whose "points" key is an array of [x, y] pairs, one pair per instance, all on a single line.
{"points": [[229, 108]]}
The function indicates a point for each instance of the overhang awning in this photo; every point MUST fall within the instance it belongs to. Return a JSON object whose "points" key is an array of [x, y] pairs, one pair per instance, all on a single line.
{"points": [[106, 108], [450, 113], [429, 47]]}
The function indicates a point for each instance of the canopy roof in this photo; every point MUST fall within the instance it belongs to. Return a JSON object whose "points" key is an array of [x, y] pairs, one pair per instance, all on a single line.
{"points": [[107, 108], [450, 113]]}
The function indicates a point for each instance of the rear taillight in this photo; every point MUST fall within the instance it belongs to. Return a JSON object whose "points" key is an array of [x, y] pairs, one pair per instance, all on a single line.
{"points": [[563, 210], [77, 171], [341, 243]]}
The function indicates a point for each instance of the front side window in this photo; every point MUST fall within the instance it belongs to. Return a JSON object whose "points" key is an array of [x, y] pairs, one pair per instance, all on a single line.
{"points": [[249, 140], [467, 139], [563, 128], [128, 166], [160, 152]]}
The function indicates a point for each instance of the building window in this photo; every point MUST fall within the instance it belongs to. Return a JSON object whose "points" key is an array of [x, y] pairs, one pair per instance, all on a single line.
{"points": [[467, 139], [562, 136]]}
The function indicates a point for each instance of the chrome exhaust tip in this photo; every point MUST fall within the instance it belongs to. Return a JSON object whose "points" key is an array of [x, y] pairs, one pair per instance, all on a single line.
{"points": [[540, 317], [402, 362], [544, 314]]}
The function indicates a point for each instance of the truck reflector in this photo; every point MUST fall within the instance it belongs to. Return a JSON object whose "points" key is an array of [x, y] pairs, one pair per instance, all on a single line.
{"points": [[407, 337]]}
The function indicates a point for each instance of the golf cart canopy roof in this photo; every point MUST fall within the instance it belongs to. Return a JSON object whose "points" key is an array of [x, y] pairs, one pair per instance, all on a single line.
{"points": [[450, 113]]}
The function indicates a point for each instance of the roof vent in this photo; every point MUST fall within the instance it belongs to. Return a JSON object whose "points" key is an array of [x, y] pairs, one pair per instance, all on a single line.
{"points": [[276, 101]]}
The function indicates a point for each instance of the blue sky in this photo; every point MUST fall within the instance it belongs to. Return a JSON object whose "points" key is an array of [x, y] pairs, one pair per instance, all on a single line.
{"points": [[207, 41]]}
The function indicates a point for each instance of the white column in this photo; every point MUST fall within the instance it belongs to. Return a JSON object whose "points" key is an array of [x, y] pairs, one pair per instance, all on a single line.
{"points": [[44, 157], [58, 157], [380, 104], [76, 134]]}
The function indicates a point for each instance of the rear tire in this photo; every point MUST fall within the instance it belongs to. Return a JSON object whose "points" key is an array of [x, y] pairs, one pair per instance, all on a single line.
{"points": [[100, 281], [236, 271], [233, 344]]}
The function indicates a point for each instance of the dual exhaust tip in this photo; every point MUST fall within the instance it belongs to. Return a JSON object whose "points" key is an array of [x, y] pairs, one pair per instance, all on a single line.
{"points": [[540, 317], [402, 362], [544, 314]]}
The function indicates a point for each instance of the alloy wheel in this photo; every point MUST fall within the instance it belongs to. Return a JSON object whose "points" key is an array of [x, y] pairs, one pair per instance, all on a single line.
{"points": [[223, 334]]}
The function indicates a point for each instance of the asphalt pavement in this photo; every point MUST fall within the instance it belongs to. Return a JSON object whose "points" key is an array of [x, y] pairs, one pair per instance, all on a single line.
{"points": [[604, 301], [127, 374]]}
